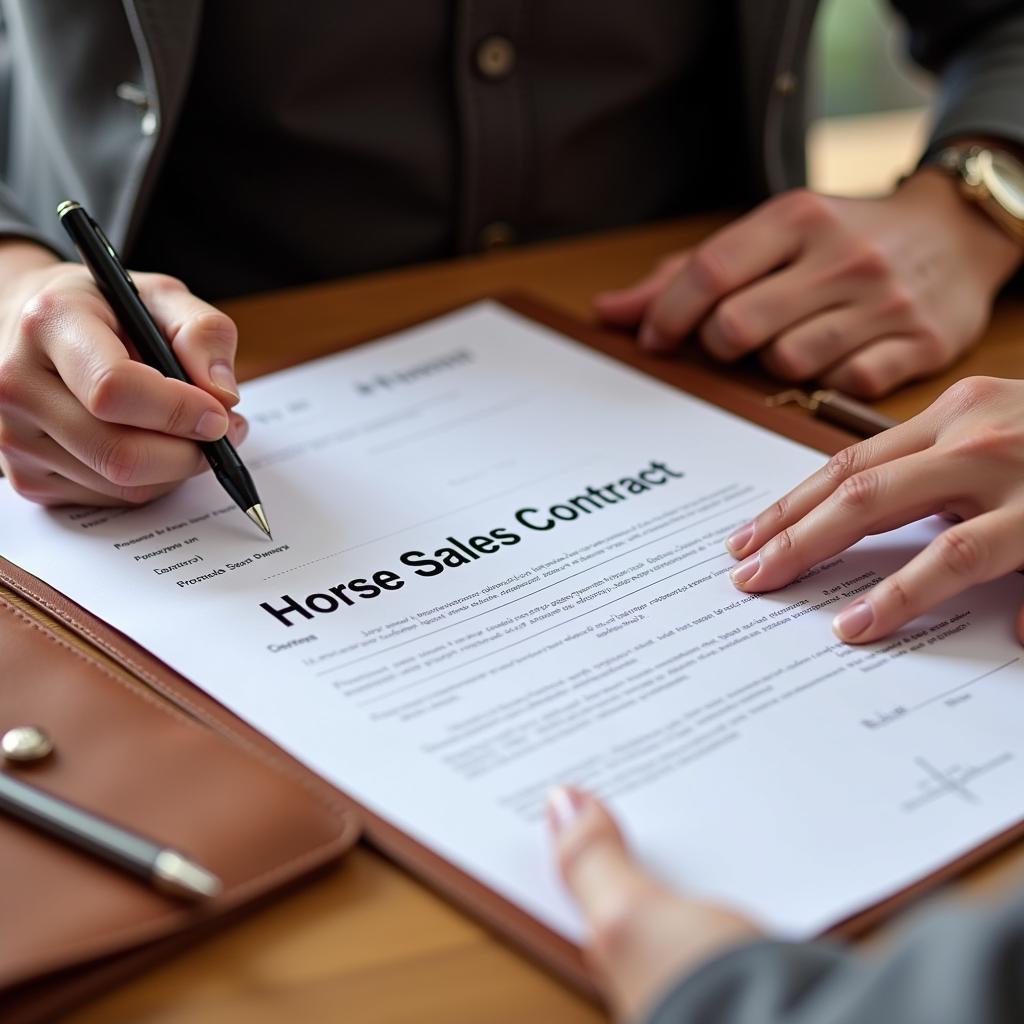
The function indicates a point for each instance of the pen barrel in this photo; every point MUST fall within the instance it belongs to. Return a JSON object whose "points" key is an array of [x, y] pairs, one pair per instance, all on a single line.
{"points": [[848, 413], [231, 472], [117, 287], [81, 828]]}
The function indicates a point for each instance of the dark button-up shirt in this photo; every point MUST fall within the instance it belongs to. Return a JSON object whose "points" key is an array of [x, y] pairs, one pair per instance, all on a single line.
{"points": [[324, 139]]}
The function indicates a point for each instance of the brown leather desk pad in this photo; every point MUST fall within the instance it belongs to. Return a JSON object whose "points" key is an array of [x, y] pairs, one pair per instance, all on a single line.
{"points": [[138, 742]]}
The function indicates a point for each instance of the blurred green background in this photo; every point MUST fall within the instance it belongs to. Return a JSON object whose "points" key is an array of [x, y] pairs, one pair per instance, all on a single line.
{"points": [[861, 59]]}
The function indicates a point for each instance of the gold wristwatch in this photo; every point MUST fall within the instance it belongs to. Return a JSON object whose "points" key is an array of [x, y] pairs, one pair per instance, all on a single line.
{"points": [[992, 179]]}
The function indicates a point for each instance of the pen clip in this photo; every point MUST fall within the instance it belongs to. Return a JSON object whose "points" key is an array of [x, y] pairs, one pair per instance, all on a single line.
{"points": [[836, 408], [794, 396]]}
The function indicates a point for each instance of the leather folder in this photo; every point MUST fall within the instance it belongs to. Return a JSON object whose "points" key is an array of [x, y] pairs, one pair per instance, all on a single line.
{"points": [[139, 743]]}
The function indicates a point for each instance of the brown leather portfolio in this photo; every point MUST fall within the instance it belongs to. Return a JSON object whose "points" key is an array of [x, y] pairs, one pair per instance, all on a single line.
{"points": [[141, 747], [140, 744]]}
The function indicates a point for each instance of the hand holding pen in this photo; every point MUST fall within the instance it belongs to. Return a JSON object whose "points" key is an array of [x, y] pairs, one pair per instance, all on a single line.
{"points": [[143, 333], [80, 420]]}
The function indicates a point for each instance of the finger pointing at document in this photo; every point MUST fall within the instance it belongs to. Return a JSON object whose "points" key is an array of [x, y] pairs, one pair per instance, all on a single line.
{"points": [[963, 457]]}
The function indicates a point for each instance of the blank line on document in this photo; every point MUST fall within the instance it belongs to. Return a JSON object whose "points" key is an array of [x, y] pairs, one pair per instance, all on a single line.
{"points": [[428, 432], [345, 434], [883, 719], [962, 686]]}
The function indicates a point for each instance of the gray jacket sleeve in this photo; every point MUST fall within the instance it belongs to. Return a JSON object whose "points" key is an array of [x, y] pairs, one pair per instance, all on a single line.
{"points": [[13, 220], [954, 966], [977, 49]]}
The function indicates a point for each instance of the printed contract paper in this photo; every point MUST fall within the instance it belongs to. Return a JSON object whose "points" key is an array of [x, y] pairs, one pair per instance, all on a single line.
{"points": [[498, 564]]}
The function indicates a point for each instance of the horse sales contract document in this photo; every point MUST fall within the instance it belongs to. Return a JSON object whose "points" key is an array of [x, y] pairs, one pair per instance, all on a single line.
{"points": [[498, 564]]}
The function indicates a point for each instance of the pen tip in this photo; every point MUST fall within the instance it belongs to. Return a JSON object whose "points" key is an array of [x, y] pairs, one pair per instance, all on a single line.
{"points": [[177, 875], [257, 515]]}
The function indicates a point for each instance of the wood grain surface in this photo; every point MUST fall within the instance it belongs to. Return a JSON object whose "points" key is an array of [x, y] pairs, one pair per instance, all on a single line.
{"points": [[367, 943]]}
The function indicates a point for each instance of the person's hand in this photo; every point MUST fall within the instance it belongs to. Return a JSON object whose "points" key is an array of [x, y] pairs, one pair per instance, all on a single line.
{"points": [[963, 457], [81, 422], [642, 935], [861, 294]]}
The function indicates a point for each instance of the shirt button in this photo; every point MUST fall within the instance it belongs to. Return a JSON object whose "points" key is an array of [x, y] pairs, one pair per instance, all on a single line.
{"points": [[495, 58], [786, 83], [496, 235]]}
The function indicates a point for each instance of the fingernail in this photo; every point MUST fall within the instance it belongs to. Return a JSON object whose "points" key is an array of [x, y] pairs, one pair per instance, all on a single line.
{"points": [[741, 538], [212, 425], [224, 377], [851, 622], [564, 806], [651, 338], [746, 570], [239, 430]]}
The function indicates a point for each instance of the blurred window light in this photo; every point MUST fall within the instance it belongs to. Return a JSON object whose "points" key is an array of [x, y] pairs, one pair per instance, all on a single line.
{"points": [[871, 100]]}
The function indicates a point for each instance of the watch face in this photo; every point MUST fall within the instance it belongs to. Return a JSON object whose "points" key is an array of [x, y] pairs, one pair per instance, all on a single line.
{"points": [[1005, 181]]}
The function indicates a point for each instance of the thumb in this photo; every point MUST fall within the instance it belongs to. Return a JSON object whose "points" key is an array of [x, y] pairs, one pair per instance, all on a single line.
{"points": [[593, 858], [641, 934], [616, 897], [203, 338], [625, 307]]}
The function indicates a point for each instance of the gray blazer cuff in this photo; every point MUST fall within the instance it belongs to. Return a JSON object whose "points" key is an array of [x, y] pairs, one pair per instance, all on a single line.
{"points": [[754, 984], [983, 87], [952, 964], [15, 224]]}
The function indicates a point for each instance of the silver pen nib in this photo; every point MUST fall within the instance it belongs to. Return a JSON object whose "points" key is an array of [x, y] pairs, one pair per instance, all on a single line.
{"points": [[176, 875], [257, 515]]}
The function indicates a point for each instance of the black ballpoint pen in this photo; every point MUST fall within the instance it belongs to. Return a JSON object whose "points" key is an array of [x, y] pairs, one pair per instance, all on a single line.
{"points": [[118, 288], [164, 868]]}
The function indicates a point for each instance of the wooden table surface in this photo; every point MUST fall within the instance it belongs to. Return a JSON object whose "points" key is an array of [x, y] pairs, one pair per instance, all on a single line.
{"points": [[368, 943]]}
